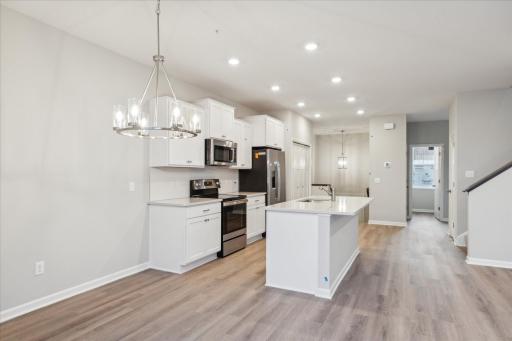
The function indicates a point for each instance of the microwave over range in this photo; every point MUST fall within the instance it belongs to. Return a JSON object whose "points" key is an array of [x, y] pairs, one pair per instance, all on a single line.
{"points": [[220, 152]]}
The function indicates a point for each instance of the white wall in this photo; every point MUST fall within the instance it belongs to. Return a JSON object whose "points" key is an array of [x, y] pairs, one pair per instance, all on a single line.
{"points": [[482, 138], [354, 179], [389, 205], [64, 173], [490, 222]]}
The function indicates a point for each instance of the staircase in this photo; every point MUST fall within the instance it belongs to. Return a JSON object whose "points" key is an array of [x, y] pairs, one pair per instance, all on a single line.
{"points": [[489, 235]]}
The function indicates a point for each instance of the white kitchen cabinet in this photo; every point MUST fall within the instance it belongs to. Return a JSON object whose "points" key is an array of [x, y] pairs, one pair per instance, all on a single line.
{"points": [[219, 119], [266, 131], [187, 152], [243, 138], [203, 237], [183, 237], [255, 218]]}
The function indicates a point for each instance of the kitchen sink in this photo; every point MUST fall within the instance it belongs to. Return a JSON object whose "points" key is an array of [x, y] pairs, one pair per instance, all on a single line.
{"points": [[314, 200]]}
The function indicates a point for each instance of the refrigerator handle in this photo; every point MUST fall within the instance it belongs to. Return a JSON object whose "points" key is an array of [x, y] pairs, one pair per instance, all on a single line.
{"points": [[278, 181]]}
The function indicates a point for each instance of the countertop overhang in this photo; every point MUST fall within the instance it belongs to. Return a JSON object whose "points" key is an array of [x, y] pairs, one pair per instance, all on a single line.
{"points": [[348, 206]]}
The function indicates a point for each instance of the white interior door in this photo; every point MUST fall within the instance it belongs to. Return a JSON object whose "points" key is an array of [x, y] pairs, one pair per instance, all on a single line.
{"points": [[301, 170], [439, 183]]}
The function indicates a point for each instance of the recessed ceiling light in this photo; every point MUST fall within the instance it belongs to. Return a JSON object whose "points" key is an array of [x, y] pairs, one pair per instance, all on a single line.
{"points": [[360, 112], [233, 61], [336, 80], [311, 46], [301, 104], [317, 115], [351, 99], [275, 88]]}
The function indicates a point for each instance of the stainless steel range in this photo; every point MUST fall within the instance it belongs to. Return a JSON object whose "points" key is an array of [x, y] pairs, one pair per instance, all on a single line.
{"points": [[234, 214]]}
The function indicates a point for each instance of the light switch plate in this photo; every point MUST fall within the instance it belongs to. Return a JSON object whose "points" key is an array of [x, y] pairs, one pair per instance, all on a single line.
{"points": [[376, 180], [131, 186], [470, 174]]}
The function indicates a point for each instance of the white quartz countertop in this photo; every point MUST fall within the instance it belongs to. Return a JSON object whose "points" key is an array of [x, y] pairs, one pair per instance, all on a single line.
{"points": [[184, 202], [249, 194], [323, 205]]}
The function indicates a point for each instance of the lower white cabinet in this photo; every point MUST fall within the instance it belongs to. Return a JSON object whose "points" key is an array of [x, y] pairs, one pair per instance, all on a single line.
{"points": [[255, 217], [183, 237], [203, 237]]}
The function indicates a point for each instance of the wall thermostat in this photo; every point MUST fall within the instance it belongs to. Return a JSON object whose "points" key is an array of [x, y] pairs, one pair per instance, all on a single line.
{"points": [[389, 126]]}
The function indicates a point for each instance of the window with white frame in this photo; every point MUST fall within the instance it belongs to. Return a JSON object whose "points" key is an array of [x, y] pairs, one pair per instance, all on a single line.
{"points": [[423, 167]]}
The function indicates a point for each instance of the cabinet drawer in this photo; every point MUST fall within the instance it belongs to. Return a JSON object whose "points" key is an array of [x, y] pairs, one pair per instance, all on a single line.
{"points": [[254, 201], [201, 210]]}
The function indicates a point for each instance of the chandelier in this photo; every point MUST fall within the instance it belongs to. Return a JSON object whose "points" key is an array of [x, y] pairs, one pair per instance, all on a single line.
{"points": [[342, 160], [164, 118]]}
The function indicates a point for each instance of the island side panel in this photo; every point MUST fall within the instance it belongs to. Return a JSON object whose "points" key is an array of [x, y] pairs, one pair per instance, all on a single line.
{"points": [[344, 248], [291, 251], [338, 247]]}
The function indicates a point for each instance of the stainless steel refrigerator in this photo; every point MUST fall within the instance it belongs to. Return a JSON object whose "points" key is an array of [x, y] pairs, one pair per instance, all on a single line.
{"points": [[268, 174]]}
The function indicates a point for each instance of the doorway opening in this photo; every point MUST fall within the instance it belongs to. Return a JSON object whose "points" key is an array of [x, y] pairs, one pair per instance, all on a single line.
{"points": [[426, 180]]}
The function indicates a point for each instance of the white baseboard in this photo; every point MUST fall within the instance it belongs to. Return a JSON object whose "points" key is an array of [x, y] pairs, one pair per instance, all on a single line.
{"points": [[444, 220], [489, 262], [25, 308], [181, 269], [388, 223], [323, 293], [422, 210]]}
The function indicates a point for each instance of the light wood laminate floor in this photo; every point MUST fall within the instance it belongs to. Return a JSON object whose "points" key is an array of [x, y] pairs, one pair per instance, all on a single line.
{"points": [[407, 284]]}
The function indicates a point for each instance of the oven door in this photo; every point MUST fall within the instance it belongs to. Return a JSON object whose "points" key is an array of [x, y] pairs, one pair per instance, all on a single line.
{"points": [[234, 219], [220, 152]]}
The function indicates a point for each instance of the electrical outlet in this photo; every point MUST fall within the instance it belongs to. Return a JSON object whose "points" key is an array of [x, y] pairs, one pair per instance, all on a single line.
{"points": [[131, 186], [39, 268]]}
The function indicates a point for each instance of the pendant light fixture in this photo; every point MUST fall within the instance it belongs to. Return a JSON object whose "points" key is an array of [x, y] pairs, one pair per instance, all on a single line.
{"points": [[342, 160], [158, 118]]}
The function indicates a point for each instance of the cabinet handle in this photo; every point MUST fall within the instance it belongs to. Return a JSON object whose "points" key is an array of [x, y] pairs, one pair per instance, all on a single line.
{"points": [[257, 200], [207, 210], [243, 164], [223, 135], [189, 161], [206, 220]]}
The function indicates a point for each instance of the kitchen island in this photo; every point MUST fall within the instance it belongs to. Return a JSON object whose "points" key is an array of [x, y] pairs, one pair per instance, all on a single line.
{"points": [[312, 243]]}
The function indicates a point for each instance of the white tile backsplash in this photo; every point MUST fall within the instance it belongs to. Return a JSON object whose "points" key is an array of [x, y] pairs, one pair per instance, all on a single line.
{"points": [[171, 183]]}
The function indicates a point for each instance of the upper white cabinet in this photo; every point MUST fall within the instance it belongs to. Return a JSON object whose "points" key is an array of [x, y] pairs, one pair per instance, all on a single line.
{"points": [[187, 152], [243, 138], [266, 131], [219, 119]]}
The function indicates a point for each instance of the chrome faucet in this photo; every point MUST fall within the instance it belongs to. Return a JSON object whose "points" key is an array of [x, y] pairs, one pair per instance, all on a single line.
{"points": [[329, 190]]}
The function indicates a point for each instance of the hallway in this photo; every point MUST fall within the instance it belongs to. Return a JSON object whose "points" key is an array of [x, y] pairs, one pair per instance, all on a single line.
{"points": [[407, 284]]}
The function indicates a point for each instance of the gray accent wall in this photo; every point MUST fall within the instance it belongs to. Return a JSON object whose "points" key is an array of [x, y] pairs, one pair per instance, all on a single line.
{"points": [[390, 194], [481, 129], [350, 181], [434, 132]]}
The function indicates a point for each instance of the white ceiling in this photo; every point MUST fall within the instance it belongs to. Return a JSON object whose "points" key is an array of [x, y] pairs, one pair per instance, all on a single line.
{"points": [[396, 57]]}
